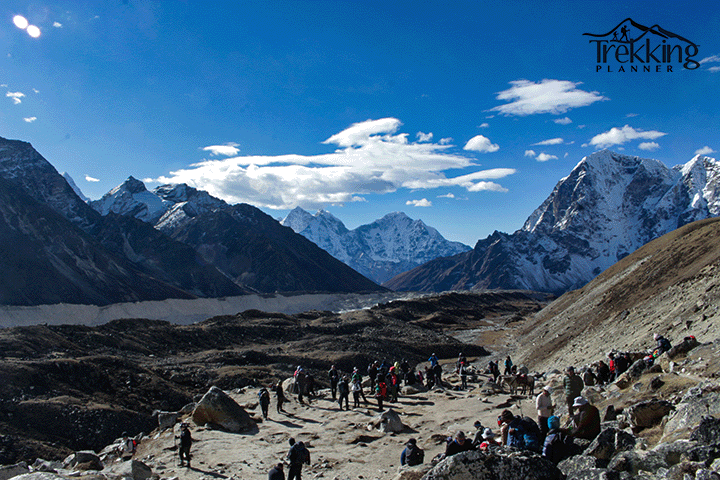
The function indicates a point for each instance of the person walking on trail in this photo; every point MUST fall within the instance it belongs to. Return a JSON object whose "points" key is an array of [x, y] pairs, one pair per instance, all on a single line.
{"points": [[380, 392], [297, 456], [276, 473], [573, 386], [357, 379], [508, 365], [185, 444], [280, 396], [545, 408], [334, 378], [264, 400], [462, 370], [344, 392], [356, 389]]}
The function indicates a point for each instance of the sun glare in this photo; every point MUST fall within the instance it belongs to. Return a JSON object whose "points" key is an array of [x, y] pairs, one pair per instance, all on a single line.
{"points": [[20, 22]]}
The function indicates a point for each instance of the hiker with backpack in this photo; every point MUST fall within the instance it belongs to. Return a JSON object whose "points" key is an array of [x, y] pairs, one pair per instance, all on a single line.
{"points": [[280, 396], [663, 344], [573, 386], [264, 399], [297, 456], [522, 432], [558, 444], [185, 444], [462, 370], [276, 473], [380, 391], [412, 454], [508, 365]]}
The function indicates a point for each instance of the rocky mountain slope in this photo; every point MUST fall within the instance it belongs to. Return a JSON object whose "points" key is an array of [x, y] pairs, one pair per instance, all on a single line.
{"points": [[380, 250], [609, 206], [246, 245], [669, 286]]}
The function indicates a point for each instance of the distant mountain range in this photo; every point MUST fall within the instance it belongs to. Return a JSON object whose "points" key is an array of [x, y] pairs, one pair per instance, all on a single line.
{"points": [[380, 250], [609, 206], [56, 248]]}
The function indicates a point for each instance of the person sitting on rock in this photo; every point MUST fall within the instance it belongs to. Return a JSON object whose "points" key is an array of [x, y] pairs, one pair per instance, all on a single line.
{"points": [[558, 445], [458, 444], [586, 424], [489, 441], [412, 454], [520, 432], [479, 429], [276, 473]]}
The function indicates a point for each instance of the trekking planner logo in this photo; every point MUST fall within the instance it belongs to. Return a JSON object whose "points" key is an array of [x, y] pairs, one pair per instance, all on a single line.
{"points": [[631, 47]]}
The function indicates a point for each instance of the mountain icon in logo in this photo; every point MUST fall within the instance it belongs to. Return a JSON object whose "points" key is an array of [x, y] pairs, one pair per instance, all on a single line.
{"points": [[629, 31]]}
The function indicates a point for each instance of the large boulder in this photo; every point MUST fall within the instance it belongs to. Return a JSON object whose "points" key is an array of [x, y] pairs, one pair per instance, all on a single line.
{"points": [[636, 369], [83, 460], [216, 408], [708, 432], [10, 471], [672, 452], [130, 470], [572, 466], [407, 472], [696, 403], [648, 414], [634, 461], [609, 442], [387, 421], [683, 347], [477, 465], [166, 419]]}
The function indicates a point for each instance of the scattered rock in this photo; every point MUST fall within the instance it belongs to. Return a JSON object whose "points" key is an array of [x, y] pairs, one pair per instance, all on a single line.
{"points": [[167, 419], [576, 464], [634, 461], [683, 347], [83, 460], [648, 414], [708, 432], [130, 470], [387, 421], [609, 442], [10, 471], [217, 408], [695, 405]]}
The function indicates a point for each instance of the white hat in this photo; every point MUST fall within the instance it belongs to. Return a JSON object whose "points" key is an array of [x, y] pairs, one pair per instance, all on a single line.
{"points": [[547, 388], [579, 402], [488, 434]]}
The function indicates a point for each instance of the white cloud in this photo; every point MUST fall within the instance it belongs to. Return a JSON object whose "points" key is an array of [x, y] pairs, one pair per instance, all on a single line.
{"points": [[704, 151], [30, 119], [552, 141], [88, 178], [227, 150], [419, 203], [16, 96], [714, 69], [544, 157], [484, 125], [447, 195], [563, 121], [373, 160], [566, 155], [712, 58], [530, 153], [618, 136], [423, 137], [649, 146], [548, 96], [57, 24], [631, 115], [481, 144], [445, 141]]}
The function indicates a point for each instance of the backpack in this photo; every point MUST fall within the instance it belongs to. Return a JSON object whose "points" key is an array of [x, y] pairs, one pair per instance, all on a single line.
{"points": [[299, 454], [558, 447], [264, 395], [525, 434]]}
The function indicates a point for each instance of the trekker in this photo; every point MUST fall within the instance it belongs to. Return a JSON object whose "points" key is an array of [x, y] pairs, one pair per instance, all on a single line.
{"points": [[334, 377], [300, 384], [356, 389], [558, 445], [589, 377], [462, 370], [276, 473], [412, 454], [380, 392], [573, 386], [603, 373], [612, 366], [280, 396], [394, 383], [663, 344], [344, 392], [545, 408], [372, 373], [586, 424], [522, 432], [622, 362], [185, 444], [489, 441], [357, 378], [297, 456], [264, 399], [508, 365], [479, 430], [458, 444]]}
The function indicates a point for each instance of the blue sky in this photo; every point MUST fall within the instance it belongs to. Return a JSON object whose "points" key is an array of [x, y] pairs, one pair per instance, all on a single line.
{"points": [[462, 114]]}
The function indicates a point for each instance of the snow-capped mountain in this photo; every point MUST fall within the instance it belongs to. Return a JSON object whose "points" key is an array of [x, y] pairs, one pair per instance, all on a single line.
{"points": [[380, 250], [248, 246], [609, 206], [74, 186]]}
